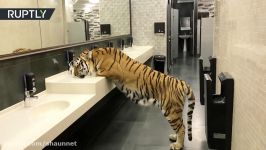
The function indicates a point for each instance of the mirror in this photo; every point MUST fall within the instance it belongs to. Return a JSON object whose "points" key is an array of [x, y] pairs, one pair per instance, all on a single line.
{"points": [[73, 21], [185, 23]]}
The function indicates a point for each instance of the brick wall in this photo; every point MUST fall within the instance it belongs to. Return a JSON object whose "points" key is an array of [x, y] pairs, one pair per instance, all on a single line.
{"points": [[116, 13], [240, 47], [144, 14]]}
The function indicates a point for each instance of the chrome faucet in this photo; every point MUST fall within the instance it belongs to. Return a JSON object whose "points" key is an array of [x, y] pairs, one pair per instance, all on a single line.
{"points": [[122, 44], [130, 41], [30, 89], [29, 97]]}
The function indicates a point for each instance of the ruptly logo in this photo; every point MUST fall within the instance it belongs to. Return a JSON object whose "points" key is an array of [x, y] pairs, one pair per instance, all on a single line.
{"points": [[26, 13]]}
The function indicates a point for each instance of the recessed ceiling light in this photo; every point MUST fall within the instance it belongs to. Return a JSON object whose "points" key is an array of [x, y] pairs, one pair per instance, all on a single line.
{"points": [[94, 1], [74, 1], [87, 10], [88, 7]]}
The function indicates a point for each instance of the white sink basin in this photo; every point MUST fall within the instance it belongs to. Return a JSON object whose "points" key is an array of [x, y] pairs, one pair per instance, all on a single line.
{"points": [[139, 53], [43, 121], [64, 83], [49, 109]]}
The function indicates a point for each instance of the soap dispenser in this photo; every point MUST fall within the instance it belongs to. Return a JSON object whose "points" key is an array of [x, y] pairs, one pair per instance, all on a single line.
{"points": [[70, 56], [29, 82], [30, 88]]}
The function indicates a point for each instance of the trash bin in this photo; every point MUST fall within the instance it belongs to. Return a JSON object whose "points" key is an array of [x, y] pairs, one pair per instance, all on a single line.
{"points": [[158, 63]]}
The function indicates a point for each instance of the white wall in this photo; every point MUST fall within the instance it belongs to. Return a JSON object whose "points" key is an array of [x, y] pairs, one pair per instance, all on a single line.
{"points": [[206, 39], [76, 32], [198, 37], [53, 30], [116, 13], [144, 14], [19, 34], [240, 47], [31, 34]]}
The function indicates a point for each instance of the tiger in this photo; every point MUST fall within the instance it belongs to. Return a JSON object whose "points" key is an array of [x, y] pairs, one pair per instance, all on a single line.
{"points": [[141, 84]]}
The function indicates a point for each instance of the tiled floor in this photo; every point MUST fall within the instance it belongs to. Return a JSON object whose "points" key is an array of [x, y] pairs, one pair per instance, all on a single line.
{"points": [[145, 128]]}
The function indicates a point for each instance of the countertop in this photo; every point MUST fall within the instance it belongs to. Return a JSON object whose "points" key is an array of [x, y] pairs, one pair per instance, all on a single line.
{"points": [[65, 99]]}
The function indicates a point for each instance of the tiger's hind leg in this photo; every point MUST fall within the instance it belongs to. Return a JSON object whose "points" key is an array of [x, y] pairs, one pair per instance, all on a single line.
{"points": [[173, 137], [178, 145], [176, 123]]}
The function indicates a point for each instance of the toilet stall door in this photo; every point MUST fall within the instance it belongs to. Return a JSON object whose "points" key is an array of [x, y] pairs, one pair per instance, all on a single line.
{"points": [[174, 34]]}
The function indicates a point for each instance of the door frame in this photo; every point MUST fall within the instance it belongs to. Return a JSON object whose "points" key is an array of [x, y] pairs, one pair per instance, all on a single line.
{"points": [[168, 38], [172, 4]]}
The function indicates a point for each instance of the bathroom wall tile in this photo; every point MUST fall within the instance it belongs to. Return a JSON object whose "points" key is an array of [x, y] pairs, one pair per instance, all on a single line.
{"points": [[13, 83], [13, 62], [144, 14], [3, 90], [239, 44], [46, 67], [12, 72], [120, 18]]}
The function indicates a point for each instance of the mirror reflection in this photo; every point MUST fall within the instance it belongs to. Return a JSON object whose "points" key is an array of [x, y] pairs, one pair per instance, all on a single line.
{"points": [[73, 21]]}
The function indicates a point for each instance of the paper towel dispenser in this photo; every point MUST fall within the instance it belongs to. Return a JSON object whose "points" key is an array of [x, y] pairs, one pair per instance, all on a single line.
{"points": [[105, 29], [159, 27]]}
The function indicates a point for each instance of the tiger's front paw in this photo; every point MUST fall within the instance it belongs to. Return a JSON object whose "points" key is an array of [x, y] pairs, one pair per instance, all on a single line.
{"points": [[176, 146], [172, 137]]}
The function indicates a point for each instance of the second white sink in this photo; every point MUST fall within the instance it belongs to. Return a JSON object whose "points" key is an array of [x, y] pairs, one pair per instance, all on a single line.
{"points": [[49, 108], [64, 83]]}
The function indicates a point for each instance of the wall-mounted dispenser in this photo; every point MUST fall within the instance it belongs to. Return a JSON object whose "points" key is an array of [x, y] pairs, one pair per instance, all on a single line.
{"points": [[29, 82], [30, 88], [159, 27], [70, 56], [105, 29], [207, 70], [219, 112]]}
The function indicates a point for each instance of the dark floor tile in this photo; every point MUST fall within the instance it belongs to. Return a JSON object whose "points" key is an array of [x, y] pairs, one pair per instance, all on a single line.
{"points": [[112, 146], [117, 131], [131, 112], [151, 147], [150, 133]]}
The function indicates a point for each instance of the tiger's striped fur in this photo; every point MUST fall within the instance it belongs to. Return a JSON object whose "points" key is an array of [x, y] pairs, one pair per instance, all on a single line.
{"points": [[142, 85]]}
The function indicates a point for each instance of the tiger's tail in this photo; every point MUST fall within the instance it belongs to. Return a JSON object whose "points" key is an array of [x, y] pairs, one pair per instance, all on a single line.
{"points": [[191, 104]]}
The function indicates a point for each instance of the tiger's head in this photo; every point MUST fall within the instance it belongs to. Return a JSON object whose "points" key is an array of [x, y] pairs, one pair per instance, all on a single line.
{"points": [[82, 65]]}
